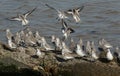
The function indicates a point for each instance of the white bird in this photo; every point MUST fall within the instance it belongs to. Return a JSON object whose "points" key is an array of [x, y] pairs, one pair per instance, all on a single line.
{"points": [[66, 53], [61, 14], [75, 13], [23, 17], [65, 49], [53, 39], [11, 44], [104, 44], [45, 44], [79, 51], [39, 53], [58, 43], [88, 48], [66, 30], [93, 51], [9, 35], [109, 55]]}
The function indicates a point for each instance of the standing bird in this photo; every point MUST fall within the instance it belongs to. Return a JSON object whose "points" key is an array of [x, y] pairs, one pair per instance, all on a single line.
{"points": [[66, 53], [94, 51], [22, 17], [109, 55], [9, 35], [75, 13], [66, 30], [79, 51]]}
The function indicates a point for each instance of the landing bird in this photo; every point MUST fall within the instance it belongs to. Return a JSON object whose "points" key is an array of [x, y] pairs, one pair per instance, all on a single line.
{"points": [[23, 17], [61, 14], [66, 30], [75, 13]]}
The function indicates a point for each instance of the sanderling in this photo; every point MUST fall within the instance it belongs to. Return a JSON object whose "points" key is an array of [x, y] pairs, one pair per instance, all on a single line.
{"points": [[65, 48], [66, 30], [9, 35], [23, 17], [75, 13], [67, 56], [53, 39], [109, 55], [46, 45], [58, 45], [117, 52], [39, 53], [66, 53], [104, 44], [11, 44], [79, 51], [88, 48], [93, 51], [17, 39], [81, 44], [38, 38], [61, 14], [72, 45]]}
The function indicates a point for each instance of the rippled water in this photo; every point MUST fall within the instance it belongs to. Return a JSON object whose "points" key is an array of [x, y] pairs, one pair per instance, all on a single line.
{"points": [[100, 18]]}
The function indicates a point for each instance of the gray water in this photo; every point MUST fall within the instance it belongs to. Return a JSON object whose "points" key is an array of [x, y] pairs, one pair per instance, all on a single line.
{"points": [[99, 18]]}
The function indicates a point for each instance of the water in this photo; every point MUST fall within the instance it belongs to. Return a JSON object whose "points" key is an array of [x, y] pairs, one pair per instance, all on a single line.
{"points": [[100, 18]]}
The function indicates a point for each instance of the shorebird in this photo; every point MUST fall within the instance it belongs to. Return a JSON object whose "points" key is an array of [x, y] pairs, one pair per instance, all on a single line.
{"points": [[9, 35], [65, 48], [11, 44], [17, 39], [104, 44], [94, 51], [53, 39], [117, 52], [45, 44], [23, 17], [109, 55], [75, 13], [88, 48], [81, 44], [66, 30], [66, 53], [38, 38], [79, 51], [39, 53], [58, 44], [72, 45], [61, 14], [67, 56]]}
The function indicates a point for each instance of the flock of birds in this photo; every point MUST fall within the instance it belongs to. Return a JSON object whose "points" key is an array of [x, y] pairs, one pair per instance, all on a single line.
{"points": [[26, 38]]}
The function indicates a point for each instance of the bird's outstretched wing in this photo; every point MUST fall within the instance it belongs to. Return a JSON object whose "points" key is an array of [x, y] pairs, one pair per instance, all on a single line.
{"points": [[50, 7], [80, 8], [29, 12]]}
